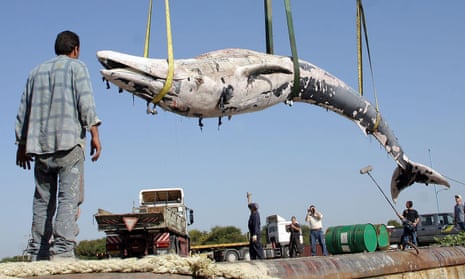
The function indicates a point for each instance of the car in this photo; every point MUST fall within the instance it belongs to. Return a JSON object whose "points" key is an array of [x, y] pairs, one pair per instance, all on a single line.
{"points": [[432, 226]]}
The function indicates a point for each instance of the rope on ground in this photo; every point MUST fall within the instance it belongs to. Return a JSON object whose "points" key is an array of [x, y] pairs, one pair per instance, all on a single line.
{"points": [[196, 265]]}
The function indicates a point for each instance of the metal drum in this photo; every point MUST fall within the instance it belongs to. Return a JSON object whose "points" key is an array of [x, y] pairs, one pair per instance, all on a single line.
{"points": [[382, 234], [351, 239]]}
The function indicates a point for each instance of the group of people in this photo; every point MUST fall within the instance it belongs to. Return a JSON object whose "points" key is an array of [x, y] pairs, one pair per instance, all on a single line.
{"points": [[56, 111], [314, 219], [410, 219]]}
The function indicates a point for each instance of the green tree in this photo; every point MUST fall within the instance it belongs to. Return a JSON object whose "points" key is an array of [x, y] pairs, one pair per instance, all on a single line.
{"points": [[91, 249], [197, 237], [305, 234], [394, 223], [217, 235], [229, 234]]}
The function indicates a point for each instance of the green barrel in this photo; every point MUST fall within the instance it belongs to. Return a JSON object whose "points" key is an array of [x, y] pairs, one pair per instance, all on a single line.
{"points": [[351, 239], [382, 234]]}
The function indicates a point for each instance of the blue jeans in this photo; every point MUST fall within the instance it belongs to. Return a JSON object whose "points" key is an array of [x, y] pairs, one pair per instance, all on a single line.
{"points": [[410, 233], [54, 228], [461, 225], [318, 235]]}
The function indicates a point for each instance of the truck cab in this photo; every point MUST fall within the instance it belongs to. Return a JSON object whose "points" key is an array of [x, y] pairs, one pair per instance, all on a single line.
{"points": [[435, 225]]}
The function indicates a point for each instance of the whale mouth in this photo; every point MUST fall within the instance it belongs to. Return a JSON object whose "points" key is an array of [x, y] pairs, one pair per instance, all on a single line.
{"points": [[129, 75], [108, 63], [131, 80]]}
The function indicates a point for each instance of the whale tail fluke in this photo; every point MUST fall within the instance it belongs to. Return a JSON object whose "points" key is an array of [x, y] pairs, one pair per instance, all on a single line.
{"points": [[414, 172]]}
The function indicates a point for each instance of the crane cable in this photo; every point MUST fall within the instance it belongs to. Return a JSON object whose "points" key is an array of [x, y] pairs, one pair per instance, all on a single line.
{"points": [[362, 22], [268, 27], [292, 42], [170, 75]]}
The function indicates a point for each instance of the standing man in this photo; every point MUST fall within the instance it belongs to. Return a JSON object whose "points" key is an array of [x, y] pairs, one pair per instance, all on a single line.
{"points": [[314, 219], [57, 108], [459, 214], [255, 246], [410, 220], [294, 238]]}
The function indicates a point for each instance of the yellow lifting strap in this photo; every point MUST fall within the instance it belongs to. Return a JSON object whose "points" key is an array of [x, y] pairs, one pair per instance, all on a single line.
{"points": [[361, 22], [169, 78], [147, 31]]}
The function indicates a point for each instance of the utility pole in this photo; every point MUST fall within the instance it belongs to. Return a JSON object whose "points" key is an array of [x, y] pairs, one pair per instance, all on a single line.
{"points": [[435, 186]]}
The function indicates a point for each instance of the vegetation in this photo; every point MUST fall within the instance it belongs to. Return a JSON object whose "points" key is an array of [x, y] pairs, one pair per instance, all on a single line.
{"points": [[394, 223], [452, 240], [217, 234], [15, 259], [91, 249]]}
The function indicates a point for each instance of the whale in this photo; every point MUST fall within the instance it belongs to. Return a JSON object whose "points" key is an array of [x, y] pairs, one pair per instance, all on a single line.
{"points": [[227, 82]]}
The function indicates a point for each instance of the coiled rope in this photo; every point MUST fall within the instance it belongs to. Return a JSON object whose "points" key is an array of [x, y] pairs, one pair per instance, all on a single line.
{"points": [[197, 265]]}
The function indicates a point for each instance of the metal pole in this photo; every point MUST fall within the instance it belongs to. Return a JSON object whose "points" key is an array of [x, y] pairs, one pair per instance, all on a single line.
{"points": [[435, 186], [366, 170]]}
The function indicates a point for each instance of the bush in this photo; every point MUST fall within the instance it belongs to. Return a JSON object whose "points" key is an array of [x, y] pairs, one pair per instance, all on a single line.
{"points": [[91, 249], [452, 239]]}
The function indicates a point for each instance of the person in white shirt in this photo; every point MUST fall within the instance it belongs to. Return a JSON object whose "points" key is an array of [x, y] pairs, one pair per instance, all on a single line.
{"points": [[314, 219]]}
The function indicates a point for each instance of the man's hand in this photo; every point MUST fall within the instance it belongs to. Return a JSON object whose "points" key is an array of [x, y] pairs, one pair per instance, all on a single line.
{"points": [[23, 160], [95, 145], [254, 238]]}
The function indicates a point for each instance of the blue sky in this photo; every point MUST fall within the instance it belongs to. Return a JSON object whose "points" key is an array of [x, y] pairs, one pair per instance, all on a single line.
{"points": [[287, 157]]}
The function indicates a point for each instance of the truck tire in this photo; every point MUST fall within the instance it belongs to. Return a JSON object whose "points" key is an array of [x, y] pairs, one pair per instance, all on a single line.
{"points": [[231, 256]]}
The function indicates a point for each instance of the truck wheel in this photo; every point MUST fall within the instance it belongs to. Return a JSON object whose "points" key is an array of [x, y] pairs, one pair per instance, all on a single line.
{"points": [[231, 256]]}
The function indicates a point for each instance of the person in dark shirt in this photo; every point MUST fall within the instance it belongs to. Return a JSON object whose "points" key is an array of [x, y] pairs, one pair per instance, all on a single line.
{"points": [[459, 214], [294, 238], [410, 220], [255, 246]]}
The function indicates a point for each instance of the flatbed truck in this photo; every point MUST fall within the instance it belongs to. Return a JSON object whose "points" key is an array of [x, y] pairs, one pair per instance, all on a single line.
{"points": [[277, 244], [157, 226]]}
